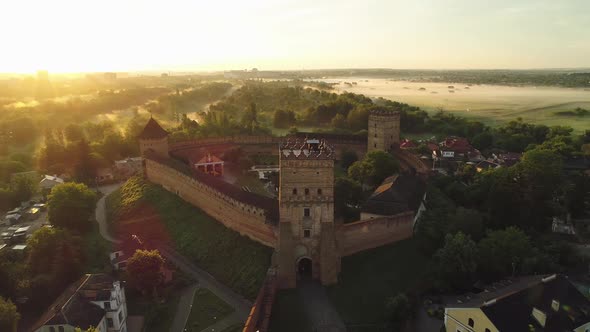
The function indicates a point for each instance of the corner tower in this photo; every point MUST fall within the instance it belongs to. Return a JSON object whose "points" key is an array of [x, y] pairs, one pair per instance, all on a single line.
{"points": [[155, 138], [383, 130], [307, 238]]}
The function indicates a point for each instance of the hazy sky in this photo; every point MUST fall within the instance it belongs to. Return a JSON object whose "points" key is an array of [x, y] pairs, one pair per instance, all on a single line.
{"points": [[100, 35]]}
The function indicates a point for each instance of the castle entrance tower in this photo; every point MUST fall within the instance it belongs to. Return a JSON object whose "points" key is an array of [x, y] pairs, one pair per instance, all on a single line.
{"points": [[383, 130], [307, 239]]}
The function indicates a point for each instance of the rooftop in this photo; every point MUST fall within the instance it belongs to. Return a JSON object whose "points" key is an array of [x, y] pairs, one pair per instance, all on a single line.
{"points": [[509, 304], [153, 130], [73, 306], [306, 148], [396, 194]]}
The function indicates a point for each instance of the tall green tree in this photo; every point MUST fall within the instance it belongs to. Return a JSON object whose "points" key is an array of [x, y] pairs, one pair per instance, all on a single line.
{"points": [[145, 270], [70, 206], [503, 252], [9, 316], [457, 260]]}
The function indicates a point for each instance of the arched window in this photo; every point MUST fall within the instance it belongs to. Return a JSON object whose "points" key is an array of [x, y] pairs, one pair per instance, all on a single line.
{"points": [[60, 328], [471, 322], [307, 191], [488, 330], [294, 191], [319, 191]]}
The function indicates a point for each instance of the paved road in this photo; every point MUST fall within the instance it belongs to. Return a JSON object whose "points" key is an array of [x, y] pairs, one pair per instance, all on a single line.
{"points": [[100, 212], [241, 305], [319, 309], [205, 280], [184, 308]]}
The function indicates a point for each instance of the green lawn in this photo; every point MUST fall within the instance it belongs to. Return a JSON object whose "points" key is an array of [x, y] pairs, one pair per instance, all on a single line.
{"points": [[370, 277], [288, 314], [234, 260], [206, 310], [158, 314]]}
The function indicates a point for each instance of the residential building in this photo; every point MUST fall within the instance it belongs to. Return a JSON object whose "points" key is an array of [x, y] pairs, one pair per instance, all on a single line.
{"points": [[128, 167], [534, 303], [397, 194], [95, 300], [49, 182], [209, 164]]}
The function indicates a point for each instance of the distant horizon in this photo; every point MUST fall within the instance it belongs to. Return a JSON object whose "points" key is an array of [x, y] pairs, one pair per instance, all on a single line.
{"points": [[212, 71]]}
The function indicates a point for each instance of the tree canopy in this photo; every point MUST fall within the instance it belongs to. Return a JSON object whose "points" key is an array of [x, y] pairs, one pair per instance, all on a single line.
{"points": [[70, 205], [145, 270]]}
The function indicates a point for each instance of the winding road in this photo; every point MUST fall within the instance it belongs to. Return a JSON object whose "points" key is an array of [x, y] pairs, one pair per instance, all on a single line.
{"points": [[241, 305]]}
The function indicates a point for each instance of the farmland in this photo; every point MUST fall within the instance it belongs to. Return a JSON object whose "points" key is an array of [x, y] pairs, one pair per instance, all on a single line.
{"points": [[491, 104]]}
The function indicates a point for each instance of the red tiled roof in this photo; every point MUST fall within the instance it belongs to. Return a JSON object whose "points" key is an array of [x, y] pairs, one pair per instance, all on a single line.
{"points": [[406, 143], [209, 158], [153, 130]]}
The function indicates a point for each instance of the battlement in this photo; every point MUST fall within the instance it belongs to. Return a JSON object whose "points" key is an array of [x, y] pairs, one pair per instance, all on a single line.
{"points": [[307, 148], [383, 112]]}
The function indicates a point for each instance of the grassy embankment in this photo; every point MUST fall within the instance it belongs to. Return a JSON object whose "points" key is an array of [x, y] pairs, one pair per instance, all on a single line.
{"points": [[206, 310], [234, 260]]}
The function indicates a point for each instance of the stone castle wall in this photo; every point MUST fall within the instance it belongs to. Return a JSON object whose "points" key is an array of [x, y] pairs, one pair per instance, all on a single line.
{"points": [[372, 233], [243, 218]]}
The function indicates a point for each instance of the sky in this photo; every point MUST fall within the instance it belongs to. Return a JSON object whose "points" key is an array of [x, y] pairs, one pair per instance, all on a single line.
{"points": [[195, 35]]}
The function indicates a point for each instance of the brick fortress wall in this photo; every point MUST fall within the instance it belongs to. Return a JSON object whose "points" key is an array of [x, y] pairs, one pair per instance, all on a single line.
{"points": [[243, 218], [373, 233]]}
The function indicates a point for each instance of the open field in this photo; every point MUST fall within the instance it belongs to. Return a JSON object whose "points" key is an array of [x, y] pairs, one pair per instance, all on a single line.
{"points": [[491, 104]]}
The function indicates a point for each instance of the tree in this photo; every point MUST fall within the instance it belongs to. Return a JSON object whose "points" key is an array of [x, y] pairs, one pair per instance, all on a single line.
{"points": [[399, 309], [56, 253], [503, 252], [467, 221], [347, 158], [375, 167], [70, 205], [145, 270], [73, 132], [339, 122], [9, 317], [457, 260], [347, 195], [283, 119]]}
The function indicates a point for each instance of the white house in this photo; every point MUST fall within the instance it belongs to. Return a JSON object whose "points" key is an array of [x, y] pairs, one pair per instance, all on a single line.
{"points": [[95, 300], [50, 181]]}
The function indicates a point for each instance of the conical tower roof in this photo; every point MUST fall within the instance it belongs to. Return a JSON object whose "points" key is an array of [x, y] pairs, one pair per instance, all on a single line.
{"points": [[153, 130]]}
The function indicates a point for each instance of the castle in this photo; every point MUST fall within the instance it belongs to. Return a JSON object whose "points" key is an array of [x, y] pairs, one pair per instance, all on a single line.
{"points": [[300, 226]]}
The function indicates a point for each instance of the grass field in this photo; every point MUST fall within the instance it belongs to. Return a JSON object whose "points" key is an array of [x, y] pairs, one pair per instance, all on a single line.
{"points": [[491, 104], [206, 310], [368, 278], [234, 260]]}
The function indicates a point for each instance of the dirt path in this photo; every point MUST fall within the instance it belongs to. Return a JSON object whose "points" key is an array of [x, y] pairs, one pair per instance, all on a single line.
{"points": [[100, 212]]}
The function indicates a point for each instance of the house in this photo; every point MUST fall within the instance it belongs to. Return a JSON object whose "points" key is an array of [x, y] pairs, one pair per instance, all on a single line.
{"points": [[507, 159], [95, 300], [455, 148], [486, 165], [407, 144], [49, 182], [396, 194], [128, 167], [104, 174], [209, 164], [559, 225], [535, 303]]}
